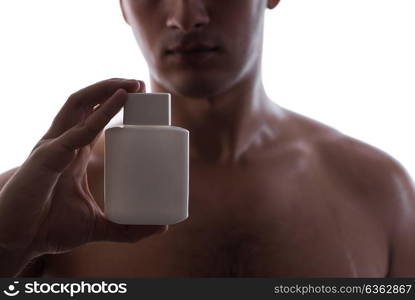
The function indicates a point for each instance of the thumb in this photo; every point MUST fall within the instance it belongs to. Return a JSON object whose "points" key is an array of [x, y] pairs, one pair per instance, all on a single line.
{"points": [[106, 230]]}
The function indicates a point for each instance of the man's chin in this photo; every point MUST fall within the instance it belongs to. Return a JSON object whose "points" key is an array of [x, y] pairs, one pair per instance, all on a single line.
{"points": [[198, 88]]}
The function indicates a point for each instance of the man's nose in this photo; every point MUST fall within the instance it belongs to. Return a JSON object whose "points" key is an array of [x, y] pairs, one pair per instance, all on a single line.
{"points": [[187, 15]]}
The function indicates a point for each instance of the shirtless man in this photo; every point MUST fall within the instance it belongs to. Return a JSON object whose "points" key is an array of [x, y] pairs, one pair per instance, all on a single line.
{"points": [[272, 193]]}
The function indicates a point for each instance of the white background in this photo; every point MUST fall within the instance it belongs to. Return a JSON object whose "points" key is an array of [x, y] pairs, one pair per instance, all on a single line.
{"points": [[349, 64]]}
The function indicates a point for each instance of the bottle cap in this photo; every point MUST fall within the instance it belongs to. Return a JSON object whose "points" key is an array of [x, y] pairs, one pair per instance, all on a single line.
{"points": [[147, 109]]}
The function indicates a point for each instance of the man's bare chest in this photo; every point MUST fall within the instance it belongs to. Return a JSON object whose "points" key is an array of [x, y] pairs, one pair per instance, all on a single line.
{"points": [[239, 226]]}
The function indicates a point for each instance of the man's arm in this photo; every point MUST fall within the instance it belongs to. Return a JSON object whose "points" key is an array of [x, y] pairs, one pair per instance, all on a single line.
{"points": [[402, 255]]}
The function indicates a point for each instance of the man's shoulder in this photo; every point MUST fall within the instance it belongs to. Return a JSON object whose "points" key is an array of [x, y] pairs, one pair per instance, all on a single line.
{"points": [[376, 183], [357, 165]]}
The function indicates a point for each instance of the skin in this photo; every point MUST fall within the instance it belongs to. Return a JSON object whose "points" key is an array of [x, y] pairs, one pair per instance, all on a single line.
{"points": [[272, 193], [49, 192]]}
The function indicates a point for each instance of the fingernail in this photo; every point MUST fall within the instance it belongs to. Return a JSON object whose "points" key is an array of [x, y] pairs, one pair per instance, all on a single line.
{"points": [[138, 83]]}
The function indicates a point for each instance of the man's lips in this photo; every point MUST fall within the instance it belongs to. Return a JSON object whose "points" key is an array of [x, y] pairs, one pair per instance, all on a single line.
{"points": [[191, 49], [192, 53]]}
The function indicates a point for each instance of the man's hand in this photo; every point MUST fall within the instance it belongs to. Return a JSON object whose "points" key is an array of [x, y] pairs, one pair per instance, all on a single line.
{"points": [[46, 206]]}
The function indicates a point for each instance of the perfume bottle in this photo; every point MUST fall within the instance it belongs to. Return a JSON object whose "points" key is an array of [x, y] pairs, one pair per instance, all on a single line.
{"points": [[146, 168]]}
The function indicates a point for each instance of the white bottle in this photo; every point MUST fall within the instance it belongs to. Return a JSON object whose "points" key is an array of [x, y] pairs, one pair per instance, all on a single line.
{"points": [[146, 164]]}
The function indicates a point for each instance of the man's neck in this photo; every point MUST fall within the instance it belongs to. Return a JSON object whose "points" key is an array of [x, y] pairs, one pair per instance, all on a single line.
{"points": [[223, 128]]}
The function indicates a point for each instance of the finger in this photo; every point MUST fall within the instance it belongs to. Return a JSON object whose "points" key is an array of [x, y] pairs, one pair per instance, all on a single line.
{"points": [[84, 134], [94, 94], [79, 165], [142, 87], [106, 230], [57, 154], [81, 104]]}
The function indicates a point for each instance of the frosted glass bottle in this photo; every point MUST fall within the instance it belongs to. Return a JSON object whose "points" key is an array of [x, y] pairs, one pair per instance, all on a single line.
{"points": [[146, 166]]}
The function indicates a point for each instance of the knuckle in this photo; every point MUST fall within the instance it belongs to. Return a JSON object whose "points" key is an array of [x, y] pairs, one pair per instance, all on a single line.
{"points": [[39, 152], [73, 98], [38, 144]]}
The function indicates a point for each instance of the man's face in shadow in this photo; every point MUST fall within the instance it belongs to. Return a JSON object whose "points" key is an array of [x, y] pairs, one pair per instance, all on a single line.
{"points": [[198, 48]]}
